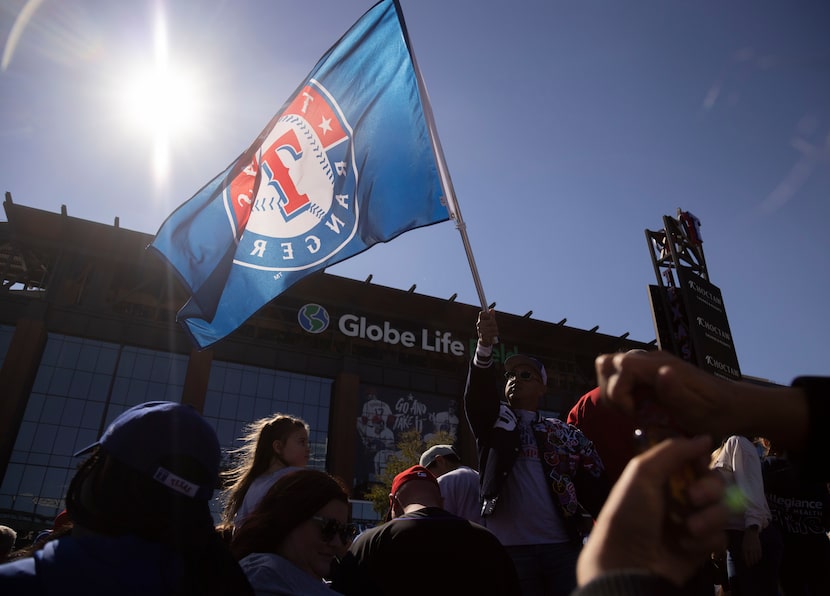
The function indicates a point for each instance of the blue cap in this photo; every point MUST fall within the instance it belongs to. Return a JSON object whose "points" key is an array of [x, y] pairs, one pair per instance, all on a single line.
{"points": [[150, 437]]}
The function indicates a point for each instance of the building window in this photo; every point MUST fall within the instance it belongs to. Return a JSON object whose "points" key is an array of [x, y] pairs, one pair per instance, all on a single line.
{"points": [[239, 394], [80, 387]]}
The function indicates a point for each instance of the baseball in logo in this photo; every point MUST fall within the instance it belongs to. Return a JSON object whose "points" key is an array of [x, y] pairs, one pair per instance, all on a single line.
{"points": [[313, 318], [302, 211]]}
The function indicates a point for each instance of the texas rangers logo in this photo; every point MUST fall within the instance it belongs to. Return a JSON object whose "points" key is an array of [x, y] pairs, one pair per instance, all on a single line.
{"points": [[294, 204]]}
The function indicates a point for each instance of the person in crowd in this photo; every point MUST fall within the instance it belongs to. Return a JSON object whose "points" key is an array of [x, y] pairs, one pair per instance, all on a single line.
{"points": [[60, 522], [540, 477], [762, 446], [460, 556], [610, 430], [61, 526], [39, 543], [796, 418], [141, 517], [290, 539], [753, 552], [459, 484], [636, 548], [800, 507], [271, 447], [8, 536]]}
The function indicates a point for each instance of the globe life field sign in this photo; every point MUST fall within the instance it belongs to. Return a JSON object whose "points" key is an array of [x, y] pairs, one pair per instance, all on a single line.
{"points": [[313, 318]]}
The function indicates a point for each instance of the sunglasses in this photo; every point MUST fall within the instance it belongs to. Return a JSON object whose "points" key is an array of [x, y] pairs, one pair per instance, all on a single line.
{"points": [[524, 375], [331, 527]]}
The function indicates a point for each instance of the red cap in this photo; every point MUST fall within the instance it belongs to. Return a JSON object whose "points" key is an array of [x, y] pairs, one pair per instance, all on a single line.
{"points": [[413, 473], [62, 520]]}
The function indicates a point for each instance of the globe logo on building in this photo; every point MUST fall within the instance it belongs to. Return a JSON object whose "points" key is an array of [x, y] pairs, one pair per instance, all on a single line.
{"points": [[313, 318]]}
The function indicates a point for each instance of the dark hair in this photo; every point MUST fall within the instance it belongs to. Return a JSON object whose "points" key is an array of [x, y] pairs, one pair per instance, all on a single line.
{"points": [[111, 498], [291, 500], [255, 457]]}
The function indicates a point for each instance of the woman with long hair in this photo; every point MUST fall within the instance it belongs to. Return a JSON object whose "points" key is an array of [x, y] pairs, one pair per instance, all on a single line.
{"points": [[290, 540]]}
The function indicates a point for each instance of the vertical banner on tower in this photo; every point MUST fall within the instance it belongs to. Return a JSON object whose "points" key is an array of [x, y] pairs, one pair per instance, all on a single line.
{"points": [[708, 325]]}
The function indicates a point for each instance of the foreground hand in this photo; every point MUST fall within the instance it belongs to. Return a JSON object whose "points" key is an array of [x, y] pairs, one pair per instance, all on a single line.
{"points": [[632, 530], [697, 400]]}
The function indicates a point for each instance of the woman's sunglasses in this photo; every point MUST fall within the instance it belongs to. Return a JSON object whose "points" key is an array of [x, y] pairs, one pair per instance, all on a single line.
{"points": [[524, 375], [331, 527]]}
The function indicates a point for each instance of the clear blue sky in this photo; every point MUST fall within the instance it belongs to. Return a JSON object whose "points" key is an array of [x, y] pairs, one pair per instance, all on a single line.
{"points": [[568, 127]]}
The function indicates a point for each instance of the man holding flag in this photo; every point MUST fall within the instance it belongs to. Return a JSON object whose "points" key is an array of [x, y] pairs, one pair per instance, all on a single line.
{"points": [[347, 162]]}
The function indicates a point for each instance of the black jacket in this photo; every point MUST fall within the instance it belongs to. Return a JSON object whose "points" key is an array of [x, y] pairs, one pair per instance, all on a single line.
{"points": [[495, 427]]}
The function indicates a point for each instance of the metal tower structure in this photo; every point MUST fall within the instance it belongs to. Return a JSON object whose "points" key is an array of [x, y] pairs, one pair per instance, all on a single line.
{"points": [[688, 310]]}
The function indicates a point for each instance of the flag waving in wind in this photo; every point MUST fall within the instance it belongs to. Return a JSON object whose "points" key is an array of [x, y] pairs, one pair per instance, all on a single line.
{"points": [[346, 163]]}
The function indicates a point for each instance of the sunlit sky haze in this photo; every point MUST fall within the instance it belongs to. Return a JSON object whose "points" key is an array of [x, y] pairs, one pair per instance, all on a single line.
{"points": [[569, 128]]}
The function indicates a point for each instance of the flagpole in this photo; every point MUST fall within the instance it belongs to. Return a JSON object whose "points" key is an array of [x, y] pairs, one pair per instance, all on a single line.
{"points": [[443, 172]]}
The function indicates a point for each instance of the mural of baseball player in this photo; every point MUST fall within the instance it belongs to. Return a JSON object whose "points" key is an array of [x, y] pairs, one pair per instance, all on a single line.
{"points": [[382, 441], [385, 414], [374, 427], [374, 411], [446, 421]]}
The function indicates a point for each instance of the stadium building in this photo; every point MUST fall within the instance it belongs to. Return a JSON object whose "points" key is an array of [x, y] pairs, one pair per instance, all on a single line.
{"points": [[87, 329]]}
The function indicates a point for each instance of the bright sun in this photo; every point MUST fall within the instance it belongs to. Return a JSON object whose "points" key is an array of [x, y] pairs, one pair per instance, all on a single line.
{"points": [[162, 101]]}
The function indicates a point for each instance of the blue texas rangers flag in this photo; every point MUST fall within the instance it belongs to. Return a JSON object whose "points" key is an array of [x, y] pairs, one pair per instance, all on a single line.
{"points": [[346, 163]]}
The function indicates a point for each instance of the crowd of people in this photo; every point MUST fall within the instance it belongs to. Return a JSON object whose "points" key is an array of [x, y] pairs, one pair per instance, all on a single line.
{"points": [[599, 505]]}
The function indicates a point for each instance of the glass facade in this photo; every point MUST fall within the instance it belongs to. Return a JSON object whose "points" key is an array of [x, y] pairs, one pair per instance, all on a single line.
{"points": [[82, 385], [238, 394]]}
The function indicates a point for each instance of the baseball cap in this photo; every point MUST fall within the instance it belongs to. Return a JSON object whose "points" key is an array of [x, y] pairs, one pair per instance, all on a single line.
{"points": [[163, 440], [428, 456], [417, 472], [517, 359]]}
